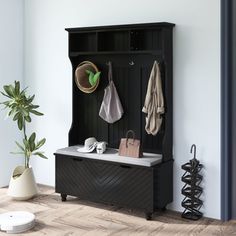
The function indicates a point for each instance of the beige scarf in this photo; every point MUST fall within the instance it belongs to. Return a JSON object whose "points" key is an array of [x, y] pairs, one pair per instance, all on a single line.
{"points": [[154, 102]]}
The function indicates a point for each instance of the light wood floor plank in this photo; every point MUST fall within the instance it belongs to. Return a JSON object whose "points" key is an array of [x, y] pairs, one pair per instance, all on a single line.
{"points": [[78, 217]]}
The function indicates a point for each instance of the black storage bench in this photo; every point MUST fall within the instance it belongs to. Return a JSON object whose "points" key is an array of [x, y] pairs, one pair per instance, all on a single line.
{"points": [[142, 183]]}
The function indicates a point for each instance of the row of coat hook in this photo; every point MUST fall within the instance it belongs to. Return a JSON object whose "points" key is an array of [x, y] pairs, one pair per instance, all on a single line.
{"points": [[131, 63]]}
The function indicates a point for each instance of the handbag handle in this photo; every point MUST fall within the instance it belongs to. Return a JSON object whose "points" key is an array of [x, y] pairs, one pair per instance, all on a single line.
{"points": [[127, 134]]}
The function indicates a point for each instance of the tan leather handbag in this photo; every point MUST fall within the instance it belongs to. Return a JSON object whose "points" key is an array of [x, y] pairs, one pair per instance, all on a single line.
{"points": [[130, 147]]}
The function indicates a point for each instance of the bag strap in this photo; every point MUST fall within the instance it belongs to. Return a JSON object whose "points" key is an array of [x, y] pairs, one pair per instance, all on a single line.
{"points": [[109, 72], [127, 136]]}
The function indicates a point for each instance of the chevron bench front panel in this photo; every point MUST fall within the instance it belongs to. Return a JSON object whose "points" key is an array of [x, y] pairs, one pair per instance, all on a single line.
{"points": [[113, 183]]}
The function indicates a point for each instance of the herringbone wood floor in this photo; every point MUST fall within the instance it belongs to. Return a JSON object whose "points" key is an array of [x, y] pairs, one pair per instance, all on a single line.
{"points": [[77, 217]]}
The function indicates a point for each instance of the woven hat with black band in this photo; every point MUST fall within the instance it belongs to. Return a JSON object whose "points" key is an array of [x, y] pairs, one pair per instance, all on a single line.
{"points": [[81, 76]]}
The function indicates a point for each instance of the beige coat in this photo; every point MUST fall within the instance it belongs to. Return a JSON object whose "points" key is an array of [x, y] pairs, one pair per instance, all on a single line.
{"points": [[154, 102]]}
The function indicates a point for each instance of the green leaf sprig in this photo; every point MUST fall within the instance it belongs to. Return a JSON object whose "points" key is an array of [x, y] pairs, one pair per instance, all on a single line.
{"points": [[93, 77]]}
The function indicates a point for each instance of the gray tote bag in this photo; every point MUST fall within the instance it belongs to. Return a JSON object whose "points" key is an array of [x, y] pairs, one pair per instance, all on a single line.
{"points": [[111, 109]]}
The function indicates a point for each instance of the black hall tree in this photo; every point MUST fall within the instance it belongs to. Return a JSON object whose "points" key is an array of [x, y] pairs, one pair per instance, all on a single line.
{"points": [[132, 49]]}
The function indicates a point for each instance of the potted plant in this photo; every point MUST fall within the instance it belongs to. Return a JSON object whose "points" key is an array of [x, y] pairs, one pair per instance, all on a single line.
{"points": [[20, 107]]}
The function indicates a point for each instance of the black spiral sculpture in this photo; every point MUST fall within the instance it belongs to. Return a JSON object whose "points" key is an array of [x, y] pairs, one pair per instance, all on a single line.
{"points": [[192, 190]]}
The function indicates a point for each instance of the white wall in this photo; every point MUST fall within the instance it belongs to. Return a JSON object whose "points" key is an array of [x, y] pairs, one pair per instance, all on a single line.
{"points": [[11, 68], [196, 76]]}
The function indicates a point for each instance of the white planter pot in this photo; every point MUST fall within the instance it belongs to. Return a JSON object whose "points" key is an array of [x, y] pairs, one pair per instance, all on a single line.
{"points": [[22, 185]]}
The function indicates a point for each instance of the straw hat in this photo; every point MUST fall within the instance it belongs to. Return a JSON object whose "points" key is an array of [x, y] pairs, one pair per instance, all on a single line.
{"points": [[81, 77]]}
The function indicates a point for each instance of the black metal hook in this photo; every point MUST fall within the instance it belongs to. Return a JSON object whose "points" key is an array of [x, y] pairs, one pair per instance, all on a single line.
{"points": [[195, 149], [131, 63]]}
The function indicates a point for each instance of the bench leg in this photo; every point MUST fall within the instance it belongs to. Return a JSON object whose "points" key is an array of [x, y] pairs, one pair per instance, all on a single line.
{"points": [[63, 197], [148, 215]]}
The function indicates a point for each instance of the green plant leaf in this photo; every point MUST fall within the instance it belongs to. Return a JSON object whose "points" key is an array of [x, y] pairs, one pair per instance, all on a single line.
{"points": [[26, 143], [16, 116], [20, 123], [17, 87], [5, 95], [11, 112], [20, 146], [89, 72], [31, 99], [32, 137], [32, 146], [95, 77], [22, 93], [24, 112], [12, 89], [36, 113], [34, 106], [91, 79], [22, 153], [8, 90], [6, 103], [31, 141], [40, 154], [91, 75], [40, 143], [28, 118]]}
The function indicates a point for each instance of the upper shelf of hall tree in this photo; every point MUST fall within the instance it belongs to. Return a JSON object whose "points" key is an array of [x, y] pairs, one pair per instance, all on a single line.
{"points": [[119, 38]]}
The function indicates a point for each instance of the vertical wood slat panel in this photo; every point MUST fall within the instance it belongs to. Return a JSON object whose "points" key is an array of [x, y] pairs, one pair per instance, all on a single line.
{"points": [[131, 83]]}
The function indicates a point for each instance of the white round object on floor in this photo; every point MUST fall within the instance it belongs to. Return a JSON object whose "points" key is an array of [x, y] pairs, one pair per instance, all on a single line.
{"points": [[14, 222]]}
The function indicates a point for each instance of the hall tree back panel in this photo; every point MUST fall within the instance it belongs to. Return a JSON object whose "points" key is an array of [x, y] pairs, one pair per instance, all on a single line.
{"points": [[132, 49]]}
